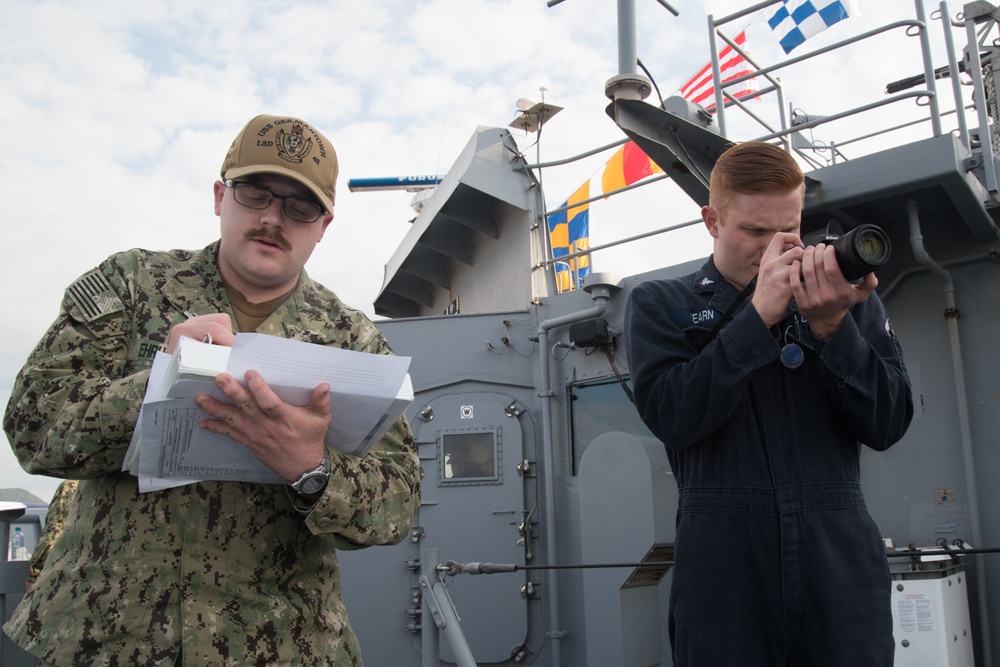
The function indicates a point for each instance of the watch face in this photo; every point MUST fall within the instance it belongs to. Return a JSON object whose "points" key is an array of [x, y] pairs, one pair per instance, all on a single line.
{"points": [[312, 484]]}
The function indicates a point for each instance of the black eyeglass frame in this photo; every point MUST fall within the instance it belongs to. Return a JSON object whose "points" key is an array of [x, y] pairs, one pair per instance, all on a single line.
{"points": [[284, 201]]}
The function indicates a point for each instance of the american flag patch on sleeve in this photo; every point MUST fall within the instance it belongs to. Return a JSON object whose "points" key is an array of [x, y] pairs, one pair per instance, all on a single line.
{"points": [[93, 296]]}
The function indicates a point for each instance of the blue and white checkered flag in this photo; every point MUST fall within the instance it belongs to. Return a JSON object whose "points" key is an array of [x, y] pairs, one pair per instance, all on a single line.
{"points": [[795, 21]]}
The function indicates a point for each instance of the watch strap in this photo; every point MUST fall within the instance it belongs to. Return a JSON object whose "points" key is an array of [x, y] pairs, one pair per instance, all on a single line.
{"points": [[323, 469]]}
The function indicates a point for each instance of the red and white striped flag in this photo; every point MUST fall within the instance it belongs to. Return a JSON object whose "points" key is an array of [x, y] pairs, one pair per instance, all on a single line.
{"points": [[570, 231], [701, 90]]}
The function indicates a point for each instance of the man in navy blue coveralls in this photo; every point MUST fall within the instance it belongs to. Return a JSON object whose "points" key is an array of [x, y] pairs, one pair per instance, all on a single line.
{"points": [[777, 559]]}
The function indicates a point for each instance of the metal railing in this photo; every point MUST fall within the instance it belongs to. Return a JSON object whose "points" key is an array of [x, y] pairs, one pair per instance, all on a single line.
{"points": [[787, 130]]}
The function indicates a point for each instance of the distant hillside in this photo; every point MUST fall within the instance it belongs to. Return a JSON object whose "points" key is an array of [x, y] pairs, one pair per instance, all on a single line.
{"points": [[20, 496]]}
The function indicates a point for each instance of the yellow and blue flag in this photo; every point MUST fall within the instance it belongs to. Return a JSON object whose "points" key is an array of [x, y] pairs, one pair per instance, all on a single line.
{"points": [[569, 232]]}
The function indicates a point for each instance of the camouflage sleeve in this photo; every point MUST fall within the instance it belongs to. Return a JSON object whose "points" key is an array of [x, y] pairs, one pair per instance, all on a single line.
{"points": [[73, 406], [370, 500], [55, 519]]}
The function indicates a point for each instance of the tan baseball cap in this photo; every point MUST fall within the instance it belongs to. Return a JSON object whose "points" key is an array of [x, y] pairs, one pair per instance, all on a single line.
{"points": [[286, 146]]}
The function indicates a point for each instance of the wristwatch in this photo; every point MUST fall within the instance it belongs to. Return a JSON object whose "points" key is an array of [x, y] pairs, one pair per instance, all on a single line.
{"points": [[315, 480]]}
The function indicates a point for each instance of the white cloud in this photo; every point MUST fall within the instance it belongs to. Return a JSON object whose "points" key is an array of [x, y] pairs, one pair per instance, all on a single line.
{"points": [[117, 115]]}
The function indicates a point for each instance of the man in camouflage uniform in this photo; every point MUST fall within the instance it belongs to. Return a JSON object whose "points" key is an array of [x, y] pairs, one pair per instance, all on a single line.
{"points": [[211, 573]]}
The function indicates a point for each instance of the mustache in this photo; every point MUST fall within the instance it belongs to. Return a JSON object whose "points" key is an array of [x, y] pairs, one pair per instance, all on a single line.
{"points": [[266, 234]]}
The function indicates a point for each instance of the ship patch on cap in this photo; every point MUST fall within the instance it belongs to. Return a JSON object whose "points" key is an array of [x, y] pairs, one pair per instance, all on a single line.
{"points": [[293, 146]]}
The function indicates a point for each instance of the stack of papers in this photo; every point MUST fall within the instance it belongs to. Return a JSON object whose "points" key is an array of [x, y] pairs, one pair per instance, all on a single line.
{"points": [[368, 393]]}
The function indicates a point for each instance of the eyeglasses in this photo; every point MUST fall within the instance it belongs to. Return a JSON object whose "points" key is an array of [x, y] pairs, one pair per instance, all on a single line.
{"points": [[295, 208]]}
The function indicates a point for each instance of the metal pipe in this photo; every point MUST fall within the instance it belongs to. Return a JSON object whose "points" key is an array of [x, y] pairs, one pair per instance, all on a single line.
{"points": [[989, 255], [713, 48], [478, 568], [965, 431], [844, 114], [609, 193], [438, 613], [747, 11], [452, 629], [429, 637], [594, 151], [628, 59], [600, 294], [666, 5], [545, 242], [979, 95], [956, 84], [925, 50], [628, 239]]}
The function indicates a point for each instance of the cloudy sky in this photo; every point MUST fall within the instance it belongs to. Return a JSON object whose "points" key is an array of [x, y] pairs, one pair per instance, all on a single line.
{"points": [[117, 115]]}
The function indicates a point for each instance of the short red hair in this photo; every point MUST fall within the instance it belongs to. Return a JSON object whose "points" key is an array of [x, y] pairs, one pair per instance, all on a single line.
{"points": [[753, 167]]}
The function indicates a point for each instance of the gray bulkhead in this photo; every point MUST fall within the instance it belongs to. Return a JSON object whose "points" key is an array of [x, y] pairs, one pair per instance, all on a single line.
{"points": [[611, 497]]}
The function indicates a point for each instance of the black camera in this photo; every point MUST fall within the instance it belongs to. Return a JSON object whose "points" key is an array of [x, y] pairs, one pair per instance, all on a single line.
{"points": [[860, 251]]}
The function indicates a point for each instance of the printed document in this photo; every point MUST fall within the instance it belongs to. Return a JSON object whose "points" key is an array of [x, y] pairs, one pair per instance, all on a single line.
{"points": [[368, 393]]}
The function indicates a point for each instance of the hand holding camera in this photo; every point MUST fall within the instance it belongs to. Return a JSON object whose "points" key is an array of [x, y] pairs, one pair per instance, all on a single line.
{"points": [[864, 249], [834, 272], [837, 276]]}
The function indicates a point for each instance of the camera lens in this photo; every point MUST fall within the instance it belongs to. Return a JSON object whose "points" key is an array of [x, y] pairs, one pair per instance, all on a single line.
{"points": [[870, 247], [862, 250]]}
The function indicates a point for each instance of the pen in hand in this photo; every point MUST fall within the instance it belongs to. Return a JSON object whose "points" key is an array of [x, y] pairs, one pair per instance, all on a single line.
{"points": [[208, 337]]}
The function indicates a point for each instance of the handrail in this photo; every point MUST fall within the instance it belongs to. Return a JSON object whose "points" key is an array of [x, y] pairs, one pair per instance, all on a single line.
{"points": [[845, 114], [720, 86], [926, 96], [628, 239]]}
